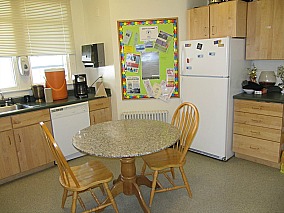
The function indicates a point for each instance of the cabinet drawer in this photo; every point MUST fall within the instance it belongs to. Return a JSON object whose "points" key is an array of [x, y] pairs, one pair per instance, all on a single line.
{"points": [[263, 108], [99, 104], [258, 148], [5, 123], [258, 120], [258, 132], [29, 118]]}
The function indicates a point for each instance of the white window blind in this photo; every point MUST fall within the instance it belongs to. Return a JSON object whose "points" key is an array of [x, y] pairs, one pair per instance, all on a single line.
{"points": [[35, 27]]}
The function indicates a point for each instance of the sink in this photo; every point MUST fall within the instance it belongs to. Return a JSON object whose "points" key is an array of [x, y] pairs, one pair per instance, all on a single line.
{"points": [[14, 107]]}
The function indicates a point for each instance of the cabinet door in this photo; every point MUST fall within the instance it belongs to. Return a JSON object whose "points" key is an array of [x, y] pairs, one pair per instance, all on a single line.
{"points": [[265, 30], [32, 148], [99, 116], [9, 163], [198, 23], [228, 19]]}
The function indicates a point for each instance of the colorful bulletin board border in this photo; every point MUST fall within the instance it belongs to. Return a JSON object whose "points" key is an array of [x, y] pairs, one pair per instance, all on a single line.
{"points": [[131, 47]]}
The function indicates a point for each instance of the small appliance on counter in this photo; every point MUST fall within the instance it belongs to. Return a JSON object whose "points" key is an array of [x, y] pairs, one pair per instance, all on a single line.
{"points": [[80, 86], [38, 92]]}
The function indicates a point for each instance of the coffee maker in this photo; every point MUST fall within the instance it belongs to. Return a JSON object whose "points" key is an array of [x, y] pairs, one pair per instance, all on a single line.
{"points": [[80, 86]]}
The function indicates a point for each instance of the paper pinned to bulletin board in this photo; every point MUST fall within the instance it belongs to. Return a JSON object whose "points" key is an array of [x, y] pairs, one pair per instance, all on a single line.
{"points": [[149, 58]]}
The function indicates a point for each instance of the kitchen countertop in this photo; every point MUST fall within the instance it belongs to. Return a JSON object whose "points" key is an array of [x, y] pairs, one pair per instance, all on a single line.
{"points": [[38, 106], [274, 97]]}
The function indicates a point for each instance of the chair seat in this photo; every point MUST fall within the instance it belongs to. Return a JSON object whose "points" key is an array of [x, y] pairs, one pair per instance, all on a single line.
{"points": [[89, 174], [163, 159]]}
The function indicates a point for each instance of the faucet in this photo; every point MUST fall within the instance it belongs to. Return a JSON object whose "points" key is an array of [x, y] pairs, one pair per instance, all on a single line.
{"points": [[9, 102]]}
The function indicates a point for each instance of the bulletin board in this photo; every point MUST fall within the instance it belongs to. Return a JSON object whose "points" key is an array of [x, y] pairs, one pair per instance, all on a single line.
{"points": [[149, 58]]}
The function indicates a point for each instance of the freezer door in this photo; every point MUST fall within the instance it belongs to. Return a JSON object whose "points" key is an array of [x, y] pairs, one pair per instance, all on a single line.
{"points": [[210, 97], [208, 57]]}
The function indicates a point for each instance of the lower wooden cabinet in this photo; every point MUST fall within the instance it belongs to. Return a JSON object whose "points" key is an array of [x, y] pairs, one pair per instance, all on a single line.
{"points": [[258, 131], [9, 163], [32, 148], [23, 149], [100, 110], [22, 145]]}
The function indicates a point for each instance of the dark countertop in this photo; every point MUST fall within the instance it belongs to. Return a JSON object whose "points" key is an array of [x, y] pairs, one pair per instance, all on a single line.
{"points": [[274, 97], [38, 106]]}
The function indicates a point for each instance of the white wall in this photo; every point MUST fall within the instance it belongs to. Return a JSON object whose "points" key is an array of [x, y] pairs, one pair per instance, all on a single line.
{"points": [[128, 10], [96, 21]]}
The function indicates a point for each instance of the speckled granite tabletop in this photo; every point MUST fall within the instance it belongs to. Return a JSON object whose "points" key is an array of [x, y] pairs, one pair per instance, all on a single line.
{"points": [[125, 138]]}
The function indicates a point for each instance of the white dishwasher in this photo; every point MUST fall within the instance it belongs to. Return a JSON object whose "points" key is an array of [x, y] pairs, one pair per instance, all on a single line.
{"points": [[66, 122]]}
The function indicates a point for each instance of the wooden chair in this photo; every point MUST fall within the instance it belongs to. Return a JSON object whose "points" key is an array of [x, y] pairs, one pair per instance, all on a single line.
{"points": [[186, 119], [80, 178]]}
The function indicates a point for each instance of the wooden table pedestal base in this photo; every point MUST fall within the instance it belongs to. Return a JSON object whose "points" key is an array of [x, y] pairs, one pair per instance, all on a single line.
{"points": [[128, 182]]}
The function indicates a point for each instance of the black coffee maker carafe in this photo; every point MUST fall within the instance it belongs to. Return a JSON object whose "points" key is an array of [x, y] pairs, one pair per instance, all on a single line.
{"points": [[80, 86]]}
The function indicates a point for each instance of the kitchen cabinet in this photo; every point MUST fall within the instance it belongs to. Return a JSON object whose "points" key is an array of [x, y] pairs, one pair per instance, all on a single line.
{"points": [[9, 163], [198, 23], [32, 149], [100, 110], [258, 131], [218, 20], [265, 30]]}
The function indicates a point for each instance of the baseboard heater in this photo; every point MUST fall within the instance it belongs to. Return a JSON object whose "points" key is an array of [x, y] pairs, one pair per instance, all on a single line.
{"points": [[159, 115]]}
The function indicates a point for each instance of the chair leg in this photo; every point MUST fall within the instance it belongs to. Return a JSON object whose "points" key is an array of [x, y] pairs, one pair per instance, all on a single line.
{"points": [[154, 182], [173, 173], [185, 181], [64, 196], [143, 169], [111, 197], [74, 202]]}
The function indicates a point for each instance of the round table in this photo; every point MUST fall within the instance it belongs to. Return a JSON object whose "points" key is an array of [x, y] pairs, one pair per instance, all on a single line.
{"points": [[126, 139]]}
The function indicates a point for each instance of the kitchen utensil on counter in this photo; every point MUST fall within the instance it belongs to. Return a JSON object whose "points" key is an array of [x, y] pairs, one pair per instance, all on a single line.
{"points": [[48, 95], [27, 98], [248, 91], [38, 92], [267, 78]]}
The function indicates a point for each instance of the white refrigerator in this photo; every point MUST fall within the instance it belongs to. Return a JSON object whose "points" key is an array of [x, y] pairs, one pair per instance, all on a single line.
{"points": [[212, 71]]}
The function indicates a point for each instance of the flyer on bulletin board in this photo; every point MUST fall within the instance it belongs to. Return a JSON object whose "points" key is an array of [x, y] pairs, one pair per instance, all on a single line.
{"points": [[149, 58]]}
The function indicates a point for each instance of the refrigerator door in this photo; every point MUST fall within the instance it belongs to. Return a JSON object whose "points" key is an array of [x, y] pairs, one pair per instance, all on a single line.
{"points": [[210, 95], [207, 57]]}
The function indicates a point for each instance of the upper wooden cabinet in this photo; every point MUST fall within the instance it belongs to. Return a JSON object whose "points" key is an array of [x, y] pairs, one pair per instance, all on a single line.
{"points": [[198, 23], [265, 30], [218, 20]]}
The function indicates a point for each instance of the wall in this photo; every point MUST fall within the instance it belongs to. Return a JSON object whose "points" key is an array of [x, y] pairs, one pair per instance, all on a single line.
{"points": [[146, 10]]}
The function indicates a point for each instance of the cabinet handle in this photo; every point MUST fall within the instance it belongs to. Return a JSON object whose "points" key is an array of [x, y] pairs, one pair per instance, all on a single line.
{"points": [[213, 30], [9, 140], [253, 132], [255, 148], [258, 121], [259, 108], [20, 138], [205, 31]]}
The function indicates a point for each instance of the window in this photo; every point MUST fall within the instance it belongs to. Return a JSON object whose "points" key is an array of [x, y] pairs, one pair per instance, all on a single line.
{"points": [[7, 77], [41, 29], [40, 63]]}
